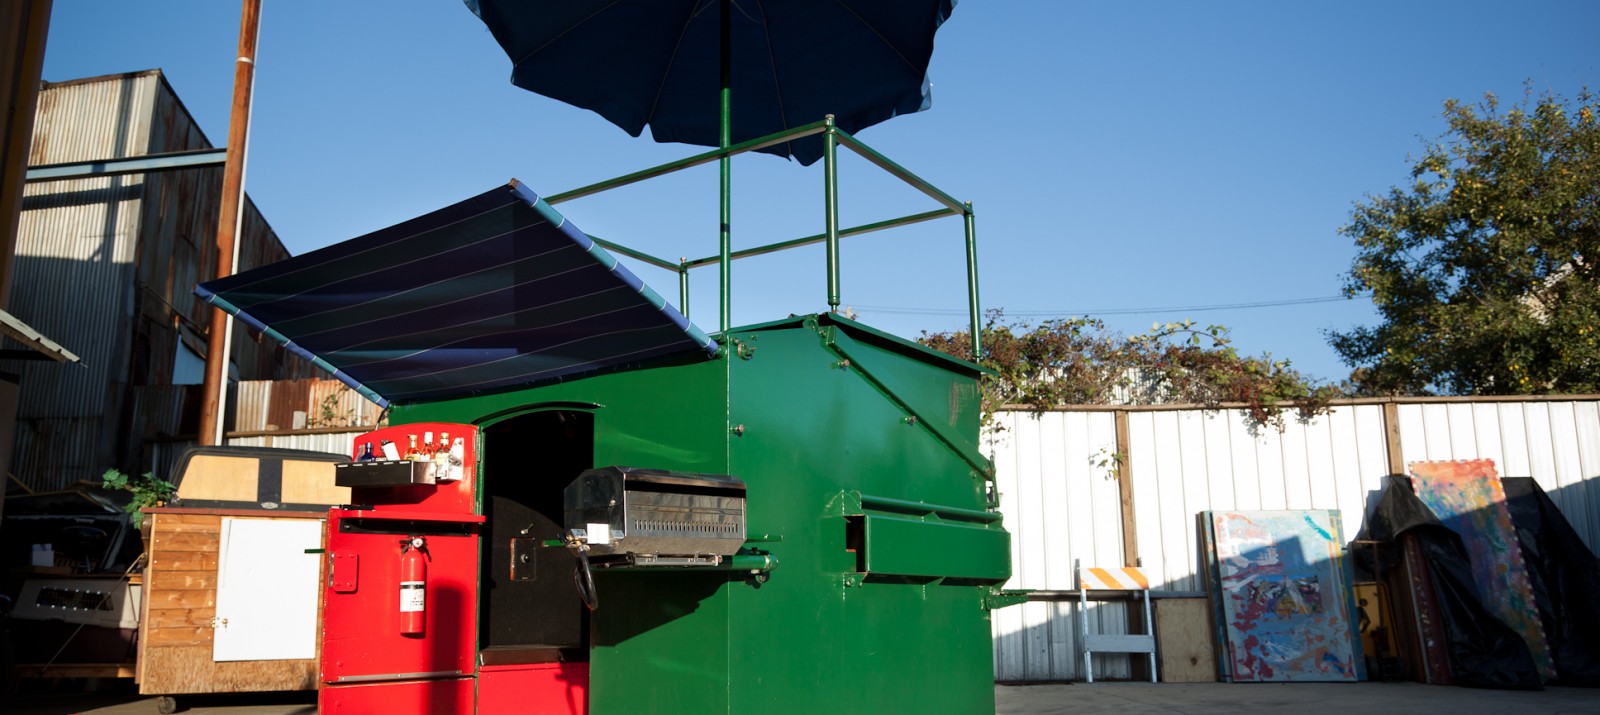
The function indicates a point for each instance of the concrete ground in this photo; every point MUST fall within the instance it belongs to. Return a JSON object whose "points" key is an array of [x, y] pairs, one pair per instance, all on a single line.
{"points": [[1054, 699], [1286, 699]]}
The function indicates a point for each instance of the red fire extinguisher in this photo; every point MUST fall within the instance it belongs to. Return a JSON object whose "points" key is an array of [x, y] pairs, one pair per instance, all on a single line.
{"points": [[413, 585]]}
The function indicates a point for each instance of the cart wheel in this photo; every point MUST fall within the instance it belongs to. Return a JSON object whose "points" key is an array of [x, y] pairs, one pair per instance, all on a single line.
{"points": [[166, 705]]}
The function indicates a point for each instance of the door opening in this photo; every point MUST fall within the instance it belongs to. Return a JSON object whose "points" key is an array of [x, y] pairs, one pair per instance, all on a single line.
{"points": [[527, 461]]}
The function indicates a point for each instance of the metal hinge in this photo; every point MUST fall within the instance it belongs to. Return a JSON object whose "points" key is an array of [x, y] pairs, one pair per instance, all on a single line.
{"points": [[998, 599]]}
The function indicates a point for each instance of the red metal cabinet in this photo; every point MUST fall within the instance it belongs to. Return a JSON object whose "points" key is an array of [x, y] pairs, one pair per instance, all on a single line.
{"points": [[414, 697], [362, 642], [554, 688]]}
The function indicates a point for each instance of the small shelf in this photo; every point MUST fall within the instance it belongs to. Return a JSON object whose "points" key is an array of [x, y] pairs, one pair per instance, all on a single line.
{"points": [[383, 473]]}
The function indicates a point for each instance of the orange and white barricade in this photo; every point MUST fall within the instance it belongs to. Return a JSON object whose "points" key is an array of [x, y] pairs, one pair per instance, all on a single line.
{"points": [[1121, 578]]}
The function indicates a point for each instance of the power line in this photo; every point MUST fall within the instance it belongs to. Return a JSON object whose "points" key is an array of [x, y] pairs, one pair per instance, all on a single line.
{"points": [[1108, 311]]}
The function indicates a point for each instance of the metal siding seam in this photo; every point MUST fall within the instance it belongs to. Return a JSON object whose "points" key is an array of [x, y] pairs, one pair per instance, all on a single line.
{"points": [[1587, 424], [1079, 532], [1436, 418], [1486, 433], [1098, 430], [1569, 464], [1463, 432], [1220, 481], [1346, 464], [1514, 438], [1058, 507], [1177, 546], [1196, 494], [1008, 621], [1029, 477], [1320, 466], [1274, 476], [1243, 459], [1413, 430]]}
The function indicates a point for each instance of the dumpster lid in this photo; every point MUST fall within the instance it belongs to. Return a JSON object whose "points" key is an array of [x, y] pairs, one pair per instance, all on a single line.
{"points": [[496, 291]]}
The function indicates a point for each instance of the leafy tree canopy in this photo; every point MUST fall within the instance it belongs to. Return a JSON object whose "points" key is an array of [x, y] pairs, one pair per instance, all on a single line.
{"points": [[1079, 361], [1484, 268]]}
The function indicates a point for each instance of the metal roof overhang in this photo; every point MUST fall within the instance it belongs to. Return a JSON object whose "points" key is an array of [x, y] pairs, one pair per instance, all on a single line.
{"points": [[493, 292], [13, 327]]}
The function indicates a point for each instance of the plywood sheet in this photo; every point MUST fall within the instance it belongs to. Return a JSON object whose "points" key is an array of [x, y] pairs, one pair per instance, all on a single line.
{"points": [[1184, 641], [307, 482], [215, 477], [189, 669]]}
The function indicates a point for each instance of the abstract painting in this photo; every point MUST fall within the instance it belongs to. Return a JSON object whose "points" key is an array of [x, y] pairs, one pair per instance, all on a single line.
{"points": [[1467, 497], [1283, 595]]}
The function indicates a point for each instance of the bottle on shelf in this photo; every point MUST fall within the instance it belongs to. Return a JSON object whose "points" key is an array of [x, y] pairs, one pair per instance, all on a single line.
{"points": [[441, 455], [412, 453], [390, 452], [366, 453]]}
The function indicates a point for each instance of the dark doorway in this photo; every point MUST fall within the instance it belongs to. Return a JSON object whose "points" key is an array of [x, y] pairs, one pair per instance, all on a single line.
{"points": [[528, 460]]}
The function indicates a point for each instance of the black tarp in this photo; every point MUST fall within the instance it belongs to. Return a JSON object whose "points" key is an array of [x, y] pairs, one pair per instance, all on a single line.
{"points": [[1485, 652]]}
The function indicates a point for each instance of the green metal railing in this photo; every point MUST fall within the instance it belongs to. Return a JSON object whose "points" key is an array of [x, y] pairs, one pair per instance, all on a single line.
{"points": [[832, 138]]}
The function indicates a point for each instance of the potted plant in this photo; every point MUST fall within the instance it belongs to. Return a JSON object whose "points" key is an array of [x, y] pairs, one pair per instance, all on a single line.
{"points": [[147, 490]]}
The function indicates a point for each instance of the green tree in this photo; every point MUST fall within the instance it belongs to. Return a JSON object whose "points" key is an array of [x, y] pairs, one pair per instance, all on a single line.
{"points": [[1079, 361], [1483, 269]]}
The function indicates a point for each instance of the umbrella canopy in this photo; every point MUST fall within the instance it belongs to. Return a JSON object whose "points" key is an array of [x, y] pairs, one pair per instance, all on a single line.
{"points": [[658, 63], [493, 292]]}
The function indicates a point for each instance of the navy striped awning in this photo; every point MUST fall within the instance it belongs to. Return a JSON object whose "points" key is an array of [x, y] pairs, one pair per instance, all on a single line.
{"points": [[493, 292]]}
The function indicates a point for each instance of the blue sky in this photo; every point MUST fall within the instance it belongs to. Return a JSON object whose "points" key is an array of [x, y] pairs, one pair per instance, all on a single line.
{"points": [[1120, 156]]}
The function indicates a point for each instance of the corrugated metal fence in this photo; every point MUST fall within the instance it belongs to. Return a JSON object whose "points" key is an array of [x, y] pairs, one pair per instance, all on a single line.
{"points": [[1062, 498]]}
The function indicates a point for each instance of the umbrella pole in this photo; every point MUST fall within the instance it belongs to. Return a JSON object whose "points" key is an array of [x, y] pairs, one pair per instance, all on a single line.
{"points": [[725, 164]]}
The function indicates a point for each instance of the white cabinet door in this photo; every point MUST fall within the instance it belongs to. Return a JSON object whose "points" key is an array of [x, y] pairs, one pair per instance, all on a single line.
{"points": [[267, 589]]}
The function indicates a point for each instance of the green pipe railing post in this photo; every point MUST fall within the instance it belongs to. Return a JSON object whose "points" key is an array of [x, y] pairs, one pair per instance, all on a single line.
{"points": [[683, 287], [972, 283], [725, 164], [830, 200]]}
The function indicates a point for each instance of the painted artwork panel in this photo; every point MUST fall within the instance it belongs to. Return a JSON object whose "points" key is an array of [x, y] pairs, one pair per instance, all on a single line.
{"points": [[1467, 497], [1284, 597]]}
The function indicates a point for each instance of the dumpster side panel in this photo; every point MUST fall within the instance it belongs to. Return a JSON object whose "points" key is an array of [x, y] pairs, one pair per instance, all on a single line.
{"points": [[821, 425]]}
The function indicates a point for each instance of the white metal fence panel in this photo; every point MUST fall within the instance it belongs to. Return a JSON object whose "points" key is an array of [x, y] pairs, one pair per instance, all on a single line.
{"points": [[1188, 461], [1061, 502], [1555, 442]]}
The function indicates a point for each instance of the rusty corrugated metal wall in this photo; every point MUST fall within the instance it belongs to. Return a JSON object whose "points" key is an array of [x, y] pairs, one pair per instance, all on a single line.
{"points": [[315, 414], [106, 267]]}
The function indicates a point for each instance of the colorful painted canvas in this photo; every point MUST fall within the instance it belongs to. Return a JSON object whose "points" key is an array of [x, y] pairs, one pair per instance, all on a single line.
{"points": [[1284, 597], [1467, 497]]}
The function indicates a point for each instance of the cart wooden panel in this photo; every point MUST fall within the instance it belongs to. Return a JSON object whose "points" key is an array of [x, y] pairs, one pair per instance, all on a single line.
{"points": [[180, 601]]}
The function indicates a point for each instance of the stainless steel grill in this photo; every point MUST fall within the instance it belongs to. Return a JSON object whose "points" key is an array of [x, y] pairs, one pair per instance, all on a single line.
{"points": [[641, 516]]}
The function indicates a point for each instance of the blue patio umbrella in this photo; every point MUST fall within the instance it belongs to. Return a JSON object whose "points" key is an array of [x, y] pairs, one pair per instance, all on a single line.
{"points": [[660, 62]]}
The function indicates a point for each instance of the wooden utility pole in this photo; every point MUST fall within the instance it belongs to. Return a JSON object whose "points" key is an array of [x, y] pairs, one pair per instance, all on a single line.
{"points": [[24, 26], [219, 337]]}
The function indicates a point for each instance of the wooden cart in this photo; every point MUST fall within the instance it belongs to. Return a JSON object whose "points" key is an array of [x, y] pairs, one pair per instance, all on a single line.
{"points": [[231, 589]]}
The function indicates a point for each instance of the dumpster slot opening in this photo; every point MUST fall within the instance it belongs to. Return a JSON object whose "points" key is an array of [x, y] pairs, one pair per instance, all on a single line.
{"points": [[855, 541]]}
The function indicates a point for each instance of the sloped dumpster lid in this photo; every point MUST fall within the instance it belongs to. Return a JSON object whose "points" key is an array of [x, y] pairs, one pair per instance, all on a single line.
{"points": [[496, 291]]}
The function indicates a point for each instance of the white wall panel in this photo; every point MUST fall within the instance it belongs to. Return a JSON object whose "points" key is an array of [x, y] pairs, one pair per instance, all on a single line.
{"points": [[1555, 442], [1060, 505]]}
